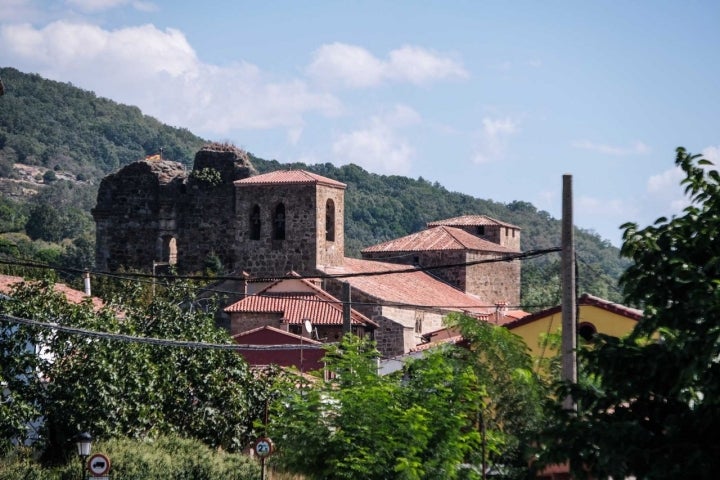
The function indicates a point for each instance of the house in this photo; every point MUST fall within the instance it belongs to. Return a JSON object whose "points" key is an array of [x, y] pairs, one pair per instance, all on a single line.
{"points": [[469, 244], [595, 315], [405, 302], [287, 304], [285, 349]]}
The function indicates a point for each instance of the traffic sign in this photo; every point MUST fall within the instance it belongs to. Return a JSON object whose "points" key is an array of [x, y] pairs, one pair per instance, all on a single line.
{"points": [[98, 465], [263, 447]]}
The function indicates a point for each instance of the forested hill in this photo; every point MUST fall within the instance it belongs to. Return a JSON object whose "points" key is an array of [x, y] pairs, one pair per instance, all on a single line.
{"points": [[58, 141]]}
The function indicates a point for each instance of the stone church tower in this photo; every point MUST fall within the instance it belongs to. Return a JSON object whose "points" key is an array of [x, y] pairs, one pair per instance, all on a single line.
{"points": [[151, 213], [289, 220]]}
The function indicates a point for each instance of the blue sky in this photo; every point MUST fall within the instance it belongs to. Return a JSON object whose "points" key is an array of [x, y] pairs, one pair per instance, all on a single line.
{"points": [[494, 99]]}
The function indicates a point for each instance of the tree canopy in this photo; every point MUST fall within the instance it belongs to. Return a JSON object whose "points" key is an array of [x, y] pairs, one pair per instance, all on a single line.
{"points": [[452, 412], [114, 388], [652, 410]]}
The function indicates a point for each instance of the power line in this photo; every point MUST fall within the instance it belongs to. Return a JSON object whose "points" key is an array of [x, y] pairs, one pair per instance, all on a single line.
{"points": [[150, 340], [320, 276]]}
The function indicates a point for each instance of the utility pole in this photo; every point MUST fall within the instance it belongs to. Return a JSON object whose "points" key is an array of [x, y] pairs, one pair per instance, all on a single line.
{"points": [[569, 312]]}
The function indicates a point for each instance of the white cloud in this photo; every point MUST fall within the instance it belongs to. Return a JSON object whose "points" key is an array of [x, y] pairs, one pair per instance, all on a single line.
{"points": [[18, 11], [354, 67], [493, 138], [379, 147], [159, 71], [100, 5], [665, 181], [637, 148], [713, 154]]}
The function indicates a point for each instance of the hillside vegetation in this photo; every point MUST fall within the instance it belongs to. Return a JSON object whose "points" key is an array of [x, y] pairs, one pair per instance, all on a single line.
{"points": [[57, 142]]}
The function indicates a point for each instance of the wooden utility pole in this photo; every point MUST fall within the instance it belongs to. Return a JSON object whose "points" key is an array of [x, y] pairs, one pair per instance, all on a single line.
{"points": [[569, 313]]}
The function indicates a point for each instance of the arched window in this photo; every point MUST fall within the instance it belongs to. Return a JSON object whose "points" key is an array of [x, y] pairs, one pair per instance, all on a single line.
{"points": [[168, 253], [255, 223], [330, 221], [279, 222], [587, 330]]}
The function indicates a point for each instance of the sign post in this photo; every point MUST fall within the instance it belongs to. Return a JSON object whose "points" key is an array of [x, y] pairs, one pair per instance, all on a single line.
{"points": [[263, 448], [98, 465]]}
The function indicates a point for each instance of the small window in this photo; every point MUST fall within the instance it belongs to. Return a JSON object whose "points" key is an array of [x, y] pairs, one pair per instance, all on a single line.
{"points": [[255, 223], [279, 222], [587, 331], [330, 221], [481, 229], [169, 250]]}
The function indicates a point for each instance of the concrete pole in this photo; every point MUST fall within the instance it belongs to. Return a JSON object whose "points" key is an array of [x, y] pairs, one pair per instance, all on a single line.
{"points": [[569, 312], [347, 324]]}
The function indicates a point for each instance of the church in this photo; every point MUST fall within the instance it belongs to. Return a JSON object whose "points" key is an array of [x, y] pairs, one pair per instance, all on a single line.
{"points": [[268, 228]]}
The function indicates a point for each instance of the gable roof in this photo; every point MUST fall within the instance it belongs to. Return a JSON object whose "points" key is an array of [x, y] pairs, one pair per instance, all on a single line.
{"points": [[268, 335], [403, 287], [289, 177], [440, 238], [471, 220], [297, 300], [585, 299], [7, 282]]}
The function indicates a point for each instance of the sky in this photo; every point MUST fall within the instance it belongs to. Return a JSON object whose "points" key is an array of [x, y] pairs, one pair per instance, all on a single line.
{"points": [[494, 99]]}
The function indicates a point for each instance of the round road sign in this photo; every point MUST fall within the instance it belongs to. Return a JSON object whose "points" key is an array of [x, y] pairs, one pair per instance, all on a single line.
{"points": [[263, 447], [98, 464]]}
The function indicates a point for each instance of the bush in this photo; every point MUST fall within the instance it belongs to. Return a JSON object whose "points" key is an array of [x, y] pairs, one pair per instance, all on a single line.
{"points": [[174, 458], [166, 458]]}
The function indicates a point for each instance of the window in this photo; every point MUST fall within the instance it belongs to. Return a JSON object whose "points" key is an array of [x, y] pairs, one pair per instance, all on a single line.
{"points": [[255, 223], [481, 229], [279, 223], [168, 253], [587, 330], [330, 221]]}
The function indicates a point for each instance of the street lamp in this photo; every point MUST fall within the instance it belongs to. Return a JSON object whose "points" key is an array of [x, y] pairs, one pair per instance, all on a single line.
{"points": [[84, 445]]}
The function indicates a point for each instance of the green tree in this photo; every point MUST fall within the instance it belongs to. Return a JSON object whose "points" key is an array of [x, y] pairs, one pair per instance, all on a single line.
{"points": [[118, 388], [451, 412], [653, 410]]}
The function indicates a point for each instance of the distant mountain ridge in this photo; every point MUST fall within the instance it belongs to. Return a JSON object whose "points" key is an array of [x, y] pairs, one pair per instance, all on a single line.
{"points": [[71, 139]]}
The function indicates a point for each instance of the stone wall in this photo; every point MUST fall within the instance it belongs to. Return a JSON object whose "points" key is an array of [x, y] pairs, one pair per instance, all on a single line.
{"points": [[243, 321]]}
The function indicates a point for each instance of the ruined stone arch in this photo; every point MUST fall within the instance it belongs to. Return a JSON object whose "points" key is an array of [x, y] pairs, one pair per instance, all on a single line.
{"points": [[255, 222], [329, 220], [278, 223]]}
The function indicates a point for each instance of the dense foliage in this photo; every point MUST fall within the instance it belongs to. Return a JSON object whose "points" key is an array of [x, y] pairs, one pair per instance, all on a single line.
{"points": [[453, 411], [653, 410], [73, 139], [116, 388], [167, 457]]}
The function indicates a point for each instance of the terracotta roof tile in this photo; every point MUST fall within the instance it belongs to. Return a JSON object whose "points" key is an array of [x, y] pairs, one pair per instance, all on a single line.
{"points": [[440, 238], [470, 220], [307, 302], [7, 282], [289, 177], [412, 288]]}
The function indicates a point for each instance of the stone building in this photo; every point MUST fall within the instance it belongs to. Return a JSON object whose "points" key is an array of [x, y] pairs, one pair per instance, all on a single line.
{"points": [[471, 244], [261, 227], [152, 212]]}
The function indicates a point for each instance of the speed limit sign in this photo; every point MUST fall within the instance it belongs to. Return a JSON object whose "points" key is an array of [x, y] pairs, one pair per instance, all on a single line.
{"points": [[263, 447]]}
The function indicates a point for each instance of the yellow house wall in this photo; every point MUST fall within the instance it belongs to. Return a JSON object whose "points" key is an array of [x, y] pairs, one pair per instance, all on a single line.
{"points": [[605, 322]]}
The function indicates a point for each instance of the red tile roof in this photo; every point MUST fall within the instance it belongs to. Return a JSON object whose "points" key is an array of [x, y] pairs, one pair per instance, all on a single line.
{"points": [[407, 287], [289, 177], [470, 220], [297, 300], [440, 238], [7, 282], [585, 299]]}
